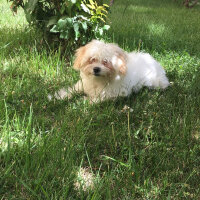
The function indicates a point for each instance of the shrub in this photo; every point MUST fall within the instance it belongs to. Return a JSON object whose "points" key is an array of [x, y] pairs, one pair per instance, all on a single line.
{"points": [[76, 21], [190, 3]]}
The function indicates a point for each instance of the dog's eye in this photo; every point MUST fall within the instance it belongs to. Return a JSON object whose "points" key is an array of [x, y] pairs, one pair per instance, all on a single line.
{"points": [[92, 60], [105, 62]]}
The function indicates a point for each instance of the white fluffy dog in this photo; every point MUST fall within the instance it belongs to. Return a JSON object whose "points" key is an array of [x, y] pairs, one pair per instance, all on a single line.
{"points": [[107, 72]]}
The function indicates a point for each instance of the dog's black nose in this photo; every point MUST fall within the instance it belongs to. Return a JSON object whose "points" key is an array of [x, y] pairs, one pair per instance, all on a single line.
{"points": [[96, 71]]}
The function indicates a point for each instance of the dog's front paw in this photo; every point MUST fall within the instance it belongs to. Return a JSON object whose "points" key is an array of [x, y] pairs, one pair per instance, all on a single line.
{"points": [[60, 95], [95, 100]]}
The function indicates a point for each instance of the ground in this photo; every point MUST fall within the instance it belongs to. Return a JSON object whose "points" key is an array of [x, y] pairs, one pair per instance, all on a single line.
{"points": [[148, 151]]}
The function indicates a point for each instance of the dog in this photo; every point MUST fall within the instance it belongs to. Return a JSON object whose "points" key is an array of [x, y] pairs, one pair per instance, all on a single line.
{"points": [[107, 72]]}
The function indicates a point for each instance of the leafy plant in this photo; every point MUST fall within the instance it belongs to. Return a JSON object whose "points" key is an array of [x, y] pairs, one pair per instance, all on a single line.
{"points": [[190, 3], [88, 24], [76, 21]]}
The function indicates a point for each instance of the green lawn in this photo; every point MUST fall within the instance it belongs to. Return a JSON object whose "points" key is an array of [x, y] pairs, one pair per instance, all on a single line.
{"points": [[149, 152]]}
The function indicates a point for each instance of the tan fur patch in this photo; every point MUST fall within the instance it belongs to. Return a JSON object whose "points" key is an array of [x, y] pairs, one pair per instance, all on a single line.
{"points": [[78, 62], [122, 68]]}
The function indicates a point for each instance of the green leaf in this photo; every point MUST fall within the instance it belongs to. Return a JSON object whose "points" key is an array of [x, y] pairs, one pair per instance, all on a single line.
{"points": [[62, 23], [84, 25], [54, 29], [106, 27], [82, 17], [105, 5], [91, 6], [28, 16], [30, 5], [52, 20], [73, 1], [64, 35], [76, 30], [85, 8], [100, 31], [69, 20]]}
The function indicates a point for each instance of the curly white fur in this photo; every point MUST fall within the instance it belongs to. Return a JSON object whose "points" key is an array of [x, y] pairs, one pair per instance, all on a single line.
{"points": [[107, 72]]}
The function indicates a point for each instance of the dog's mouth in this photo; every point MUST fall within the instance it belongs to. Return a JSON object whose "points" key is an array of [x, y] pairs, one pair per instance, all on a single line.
{"points": [[96, 74]]}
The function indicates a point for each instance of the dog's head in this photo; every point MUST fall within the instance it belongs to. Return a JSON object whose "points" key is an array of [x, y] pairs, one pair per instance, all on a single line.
{"points": [[99, 59]]}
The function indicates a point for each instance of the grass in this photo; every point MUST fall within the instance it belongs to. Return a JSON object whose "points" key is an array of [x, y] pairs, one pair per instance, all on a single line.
{"points": [[152, 152]]}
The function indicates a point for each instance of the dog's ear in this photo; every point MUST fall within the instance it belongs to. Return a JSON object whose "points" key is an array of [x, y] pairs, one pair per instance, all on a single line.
{"points": [[122, 63], [78, 62]]}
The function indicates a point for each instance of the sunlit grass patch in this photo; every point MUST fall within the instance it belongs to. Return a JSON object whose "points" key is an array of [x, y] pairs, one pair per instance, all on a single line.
{"points": [[9, 19], [156, 29], [156, 24], [17, 131]]}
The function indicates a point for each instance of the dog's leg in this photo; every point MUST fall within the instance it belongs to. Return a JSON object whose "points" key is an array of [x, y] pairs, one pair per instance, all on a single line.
{"points": [[63, 93], [77, 88], [98, 99]]}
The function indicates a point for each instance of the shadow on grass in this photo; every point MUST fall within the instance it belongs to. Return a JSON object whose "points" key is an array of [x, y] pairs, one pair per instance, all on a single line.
{"points": [[14, 41]]}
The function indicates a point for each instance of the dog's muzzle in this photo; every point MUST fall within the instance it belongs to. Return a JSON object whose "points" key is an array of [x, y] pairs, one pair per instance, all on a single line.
{"points": [[96, 71]]}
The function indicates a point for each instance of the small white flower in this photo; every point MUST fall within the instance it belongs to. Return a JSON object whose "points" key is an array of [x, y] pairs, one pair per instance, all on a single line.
{"points": [[126, 108], [85, 180], [49, 97]]}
